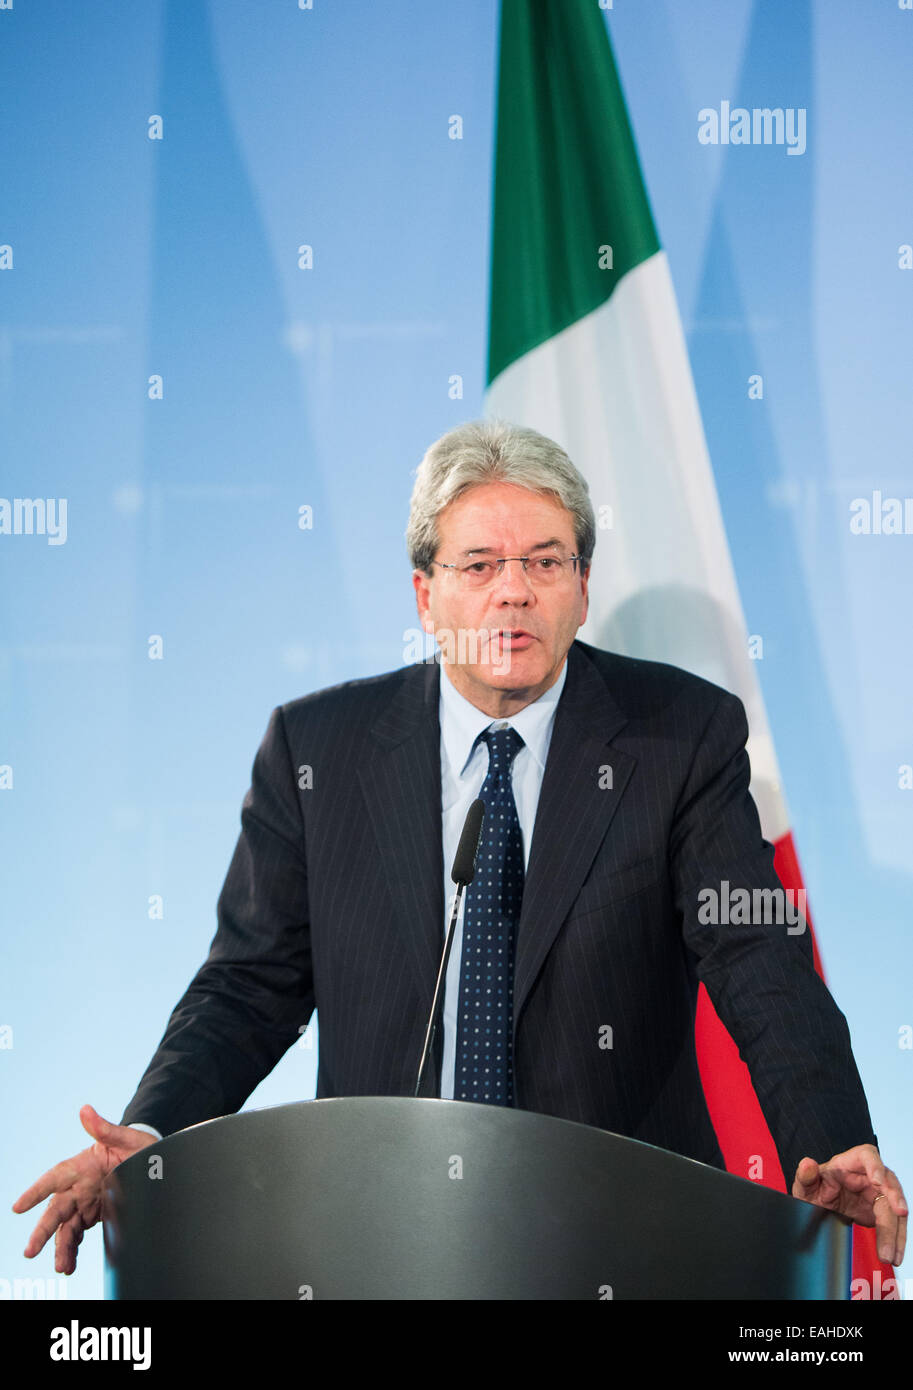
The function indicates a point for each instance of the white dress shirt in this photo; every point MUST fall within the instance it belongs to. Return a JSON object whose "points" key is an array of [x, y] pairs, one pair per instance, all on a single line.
{"points": [[463, 771]]}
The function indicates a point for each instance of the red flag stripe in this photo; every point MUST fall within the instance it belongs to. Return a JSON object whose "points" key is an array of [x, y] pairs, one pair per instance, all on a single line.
{"points": [[747, 1144]]}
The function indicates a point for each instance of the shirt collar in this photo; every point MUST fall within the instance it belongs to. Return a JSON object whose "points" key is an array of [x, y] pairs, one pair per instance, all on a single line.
{"points": [[462, 722]]}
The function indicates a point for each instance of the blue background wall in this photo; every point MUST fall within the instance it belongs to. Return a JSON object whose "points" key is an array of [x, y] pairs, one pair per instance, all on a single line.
{"points": [[286, 388]]}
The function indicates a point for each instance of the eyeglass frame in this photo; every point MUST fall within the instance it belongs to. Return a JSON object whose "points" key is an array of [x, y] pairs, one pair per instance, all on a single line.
{"points": [[501, 561]]}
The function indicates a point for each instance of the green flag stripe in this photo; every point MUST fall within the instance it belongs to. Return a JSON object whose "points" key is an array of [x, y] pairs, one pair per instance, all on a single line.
{"points": [[567, 179]]}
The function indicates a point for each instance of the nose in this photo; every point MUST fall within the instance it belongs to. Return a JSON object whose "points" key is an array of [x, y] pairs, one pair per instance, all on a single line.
{"points": [[513, 584]]}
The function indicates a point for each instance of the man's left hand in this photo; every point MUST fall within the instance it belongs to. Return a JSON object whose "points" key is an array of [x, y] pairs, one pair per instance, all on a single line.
{"points": [[858, 1185]]}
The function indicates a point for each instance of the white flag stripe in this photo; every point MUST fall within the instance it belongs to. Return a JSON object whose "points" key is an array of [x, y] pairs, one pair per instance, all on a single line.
{"points": [[615, 390]]}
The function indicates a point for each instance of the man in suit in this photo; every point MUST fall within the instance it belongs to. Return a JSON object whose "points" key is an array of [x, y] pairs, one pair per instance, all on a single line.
{"points": [[617, 796]]}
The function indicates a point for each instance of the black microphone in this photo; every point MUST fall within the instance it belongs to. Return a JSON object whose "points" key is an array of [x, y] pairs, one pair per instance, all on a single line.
{"points": [[464, 861], [464, 867]]}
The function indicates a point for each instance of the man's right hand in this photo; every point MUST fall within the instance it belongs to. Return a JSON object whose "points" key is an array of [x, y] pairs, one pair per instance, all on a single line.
{"points": [[78, 1183]]}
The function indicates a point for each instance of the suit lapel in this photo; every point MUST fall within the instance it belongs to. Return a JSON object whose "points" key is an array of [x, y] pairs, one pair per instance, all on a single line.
{"points": [[402, 786], [575, 810]]}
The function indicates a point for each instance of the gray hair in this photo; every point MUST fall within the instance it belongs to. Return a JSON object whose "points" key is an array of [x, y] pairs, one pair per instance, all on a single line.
{"points": [[493, 451]]}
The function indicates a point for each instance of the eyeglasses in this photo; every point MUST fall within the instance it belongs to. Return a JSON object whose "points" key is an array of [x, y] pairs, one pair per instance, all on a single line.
{"points": [[544, 571]]}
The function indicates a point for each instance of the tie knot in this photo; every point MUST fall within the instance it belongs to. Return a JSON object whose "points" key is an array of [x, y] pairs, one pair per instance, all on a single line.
{"points": [[503, 747]]}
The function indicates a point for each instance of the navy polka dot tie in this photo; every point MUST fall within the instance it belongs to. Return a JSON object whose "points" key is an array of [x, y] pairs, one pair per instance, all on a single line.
{"points": [[491, 911]]}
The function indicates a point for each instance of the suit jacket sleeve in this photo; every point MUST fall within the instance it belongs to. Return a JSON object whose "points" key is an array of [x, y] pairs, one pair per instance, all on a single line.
{"points": [[254, 994], [761, 976]]}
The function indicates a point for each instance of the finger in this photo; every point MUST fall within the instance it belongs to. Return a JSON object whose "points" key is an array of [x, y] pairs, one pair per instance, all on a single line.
{"points": [[894, 1192], [855, 1167], [61, 1209], [806, 1177], [118, 1141], [860, 1173], [69, 1238], [867, 1157], [816, 1182], [891, 1223], [56, 1179], [886, 1232], [99, 1128]]}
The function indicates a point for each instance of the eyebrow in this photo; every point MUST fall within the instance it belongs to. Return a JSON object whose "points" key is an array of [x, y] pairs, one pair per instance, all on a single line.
{"points": [[553, 544]]}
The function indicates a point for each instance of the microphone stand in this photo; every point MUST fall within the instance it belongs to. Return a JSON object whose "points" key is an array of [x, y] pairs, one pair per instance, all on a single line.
{"points": [[439, 989], [462, 873]]}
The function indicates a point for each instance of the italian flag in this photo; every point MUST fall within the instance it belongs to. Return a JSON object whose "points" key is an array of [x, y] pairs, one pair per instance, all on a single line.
{"points": [[586, 346]]}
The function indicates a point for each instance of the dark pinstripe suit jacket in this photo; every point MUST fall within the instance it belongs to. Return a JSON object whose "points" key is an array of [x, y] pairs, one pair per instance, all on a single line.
{"points": [[334, 898]]}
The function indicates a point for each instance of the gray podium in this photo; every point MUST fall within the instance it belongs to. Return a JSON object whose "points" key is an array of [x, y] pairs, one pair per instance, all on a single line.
{"points": [[400, 1198]]}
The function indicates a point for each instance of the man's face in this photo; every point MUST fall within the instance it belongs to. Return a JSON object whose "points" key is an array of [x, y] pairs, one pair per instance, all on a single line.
{"points": [[536, 623]]}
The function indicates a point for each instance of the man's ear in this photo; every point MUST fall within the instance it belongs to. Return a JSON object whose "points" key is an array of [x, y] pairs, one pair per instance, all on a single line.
{"points": [[420, 583]]}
